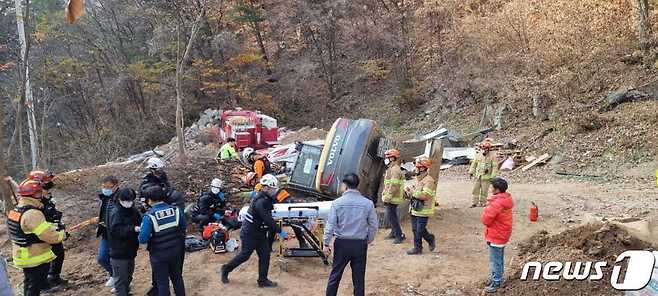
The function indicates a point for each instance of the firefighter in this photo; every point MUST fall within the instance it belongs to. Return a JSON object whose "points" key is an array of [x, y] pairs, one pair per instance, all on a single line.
{"points": [[163, 229], [256, 233], [55, 217], [157, 176], [483, 168], [392, 195], [32, 237], [228, 150], [422, 192]]}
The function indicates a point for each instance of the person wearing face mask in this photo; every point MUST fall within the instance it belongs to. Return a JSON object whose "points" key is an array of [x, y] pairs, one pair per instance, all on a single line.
{"points": [[483, 168], [256, 233], [122, 232], [158, 177], [54, 216], [392, 195], [109, 187], [423, 193], [210, 206]]}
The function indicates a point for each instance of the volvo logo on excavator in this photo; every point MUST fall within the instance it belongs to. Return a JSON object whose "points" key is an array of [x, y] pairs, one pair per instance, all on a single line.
{"points": [[334, 150]]}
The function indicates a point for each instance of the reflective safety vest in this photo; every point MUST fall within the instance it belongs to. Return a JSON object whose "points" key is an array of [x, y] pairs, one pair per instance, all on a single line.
{"points": [[426, 185], [393, 177], [167, 233], [24, 239], [227, 152]]}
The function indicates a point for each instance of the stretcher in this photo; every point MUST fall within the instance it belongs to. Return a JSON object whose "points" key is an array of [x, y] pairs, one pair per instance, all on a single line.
{"points": [[308, 219]]}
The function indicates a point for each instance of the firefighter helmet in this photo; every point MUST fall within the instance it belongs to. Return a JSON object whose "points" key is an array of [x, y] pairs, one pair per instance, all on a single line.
{"points": [[29, 188], [392, 153]]}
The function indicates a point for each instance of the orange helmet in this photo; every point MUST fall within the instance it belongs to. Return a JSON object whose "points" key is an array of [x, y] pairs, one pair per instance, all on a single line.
{"points": [[423, 162], [29, 188], [392, 153], [41, 176]]}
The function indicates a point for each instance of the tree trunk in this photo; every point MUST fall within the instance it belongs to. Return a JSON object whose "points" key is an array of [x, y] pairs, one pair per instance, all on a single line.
{"points": [[642, 22], [179, 92], [29, 101]]}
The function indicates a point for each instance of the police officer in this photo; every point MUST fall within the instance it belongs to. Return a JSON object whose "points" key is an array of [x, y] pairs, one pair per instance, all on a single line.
{"points": [[32, 237], [163, 229], [53, 216], [256, 232]]}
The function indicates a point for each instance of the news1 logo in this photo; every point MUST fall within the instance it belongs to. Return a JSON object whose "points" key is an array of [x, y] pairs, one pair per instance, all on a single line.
{"points": [[638, 272]]}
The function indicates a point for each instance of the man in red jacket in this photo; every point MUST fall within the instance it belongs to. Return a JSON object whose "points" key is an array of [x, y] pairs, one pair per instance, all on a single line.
{"points": [[497, 218]]}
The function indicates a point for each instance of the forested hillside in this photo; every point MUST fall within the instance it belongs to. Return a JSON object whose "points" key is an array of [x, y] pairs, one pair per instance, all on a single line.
{"points": [[106, 86]]}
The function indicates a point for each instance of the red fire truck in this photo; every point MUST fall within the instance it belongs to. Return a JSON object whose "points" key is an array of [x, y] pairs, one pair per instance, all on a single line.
{"points": [[249, 128]]}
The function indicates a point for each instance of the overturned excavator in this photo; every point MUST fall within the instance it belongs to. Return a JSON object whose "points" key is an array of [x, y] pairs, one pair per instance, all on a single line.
{"points": [[352, 146]]}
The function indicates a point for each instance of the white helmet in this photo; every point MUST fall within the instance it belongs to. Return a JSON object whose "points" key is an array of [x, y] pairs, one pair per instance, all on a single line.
{"points": [[216, 183], [270, 181], [154, 163], [247, 152]]}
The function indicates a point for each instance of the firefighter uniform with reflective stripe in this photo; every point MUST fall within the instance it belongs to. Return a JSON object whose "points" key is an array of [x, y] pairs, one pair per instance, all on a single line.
{"points": [[483, 169], [163, 228], [32, 237], [392, 196], [423, 192], [424, 187], [393, 183]]}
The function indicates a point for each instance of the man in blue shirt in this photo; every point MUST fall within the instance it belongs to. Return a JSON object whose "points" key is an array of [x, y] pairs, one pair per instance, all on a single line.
{"points": [[163, 229], [353, 222]]}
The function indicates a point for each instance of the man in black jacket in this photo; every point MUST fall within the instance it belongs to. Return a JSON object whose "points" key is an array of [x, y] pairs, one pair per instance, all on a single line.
{"points": [[109, 187], [256, 231], [158, 177], [123, 229]]}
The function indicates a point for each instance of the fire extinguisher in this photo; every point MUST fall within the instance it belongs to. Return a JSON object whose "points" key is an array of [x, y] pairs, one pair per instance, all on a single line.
{"points": [[534, 212]]}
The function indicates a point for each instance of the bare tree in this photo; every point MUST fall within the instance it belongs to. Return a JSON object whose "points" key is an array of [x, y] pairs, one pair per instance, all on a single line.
{"points": [[322, 34], [181, 61], [642, 22]]}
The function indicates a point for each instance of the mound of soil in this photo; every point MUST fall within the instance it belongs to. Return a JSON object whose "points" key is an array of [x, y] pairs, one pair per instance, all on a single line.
{"points": [[592, 242]]}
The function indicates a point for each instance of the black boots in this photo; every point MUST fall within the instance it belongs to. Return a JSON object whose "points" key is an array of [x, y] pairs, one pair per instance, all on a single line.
{"points": [[224, 274], [398, 241], [432, 242], [266, 284], [414, 251]]}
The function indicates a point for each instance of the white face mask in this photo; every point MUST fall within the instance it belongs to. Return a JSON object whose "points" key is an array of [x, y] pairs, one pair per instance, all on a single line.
{"points": [[126, 204], [214, 190], [387, 161]]}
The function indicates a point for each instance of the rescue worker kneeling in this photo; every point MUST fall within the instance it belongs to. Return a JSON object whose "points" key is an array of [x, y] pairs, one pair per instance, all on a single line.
{"points": [[257, 230], [211, 207], [32, 237], [163, 228]]}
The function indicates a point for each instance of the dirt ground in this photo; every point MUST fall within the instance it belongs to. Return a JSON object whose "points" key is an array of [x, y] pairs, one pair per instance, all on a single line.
{"points": [[459, 266]]}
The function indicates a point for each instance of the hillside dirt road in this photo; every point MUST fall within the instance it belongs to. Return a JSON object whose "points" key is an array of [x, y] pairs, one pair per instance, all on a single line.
{"points": [[459, 264]]}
